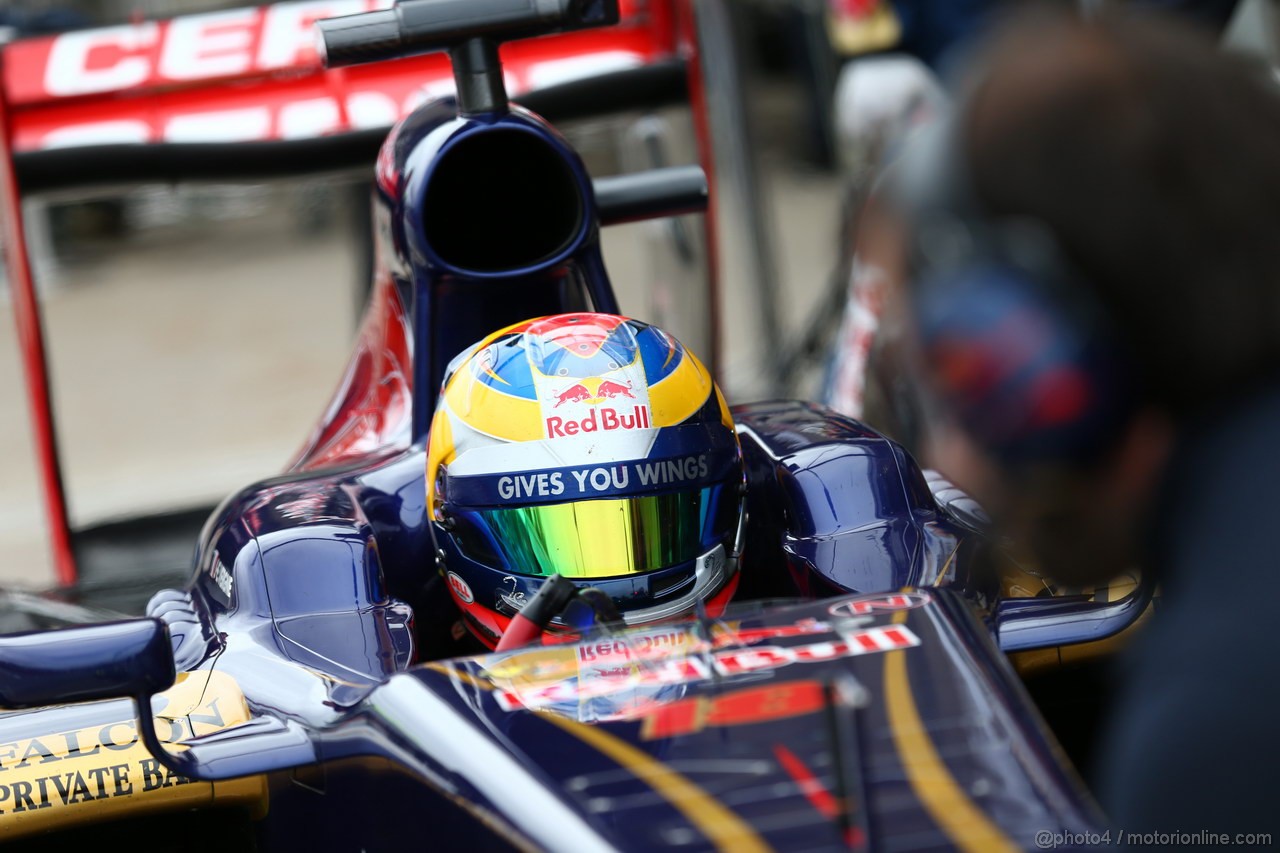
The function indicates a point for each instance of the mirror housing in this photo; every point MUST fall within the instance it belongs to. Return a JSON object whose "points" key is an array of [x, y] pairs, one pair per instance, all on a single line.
{"points": [[133, 659], [1023, 624], [85, 664]]}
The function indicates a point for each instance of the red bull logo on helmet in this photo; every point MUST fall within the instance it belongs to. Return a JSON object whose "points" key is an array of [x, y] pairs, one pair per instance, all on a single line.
{"points": [[576, 393], [609, 389], [605, 389], [594, 405], [603, 419]]}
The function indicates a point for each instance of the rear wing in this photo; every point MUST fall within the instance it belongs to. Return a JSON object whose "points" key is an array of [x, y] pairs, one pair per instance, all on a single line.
{"points": [[242, 92]]}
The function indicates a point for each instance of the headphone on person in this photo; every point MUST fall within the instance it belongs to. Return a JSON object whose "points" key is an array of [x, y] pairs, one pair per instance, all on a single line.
{"points": [[1013, 338]]}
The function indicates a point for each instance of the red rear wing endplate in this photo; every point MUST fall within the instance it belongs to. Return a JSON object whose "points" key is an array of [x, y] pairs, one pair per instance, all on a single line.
{"points": [[26, 313]]}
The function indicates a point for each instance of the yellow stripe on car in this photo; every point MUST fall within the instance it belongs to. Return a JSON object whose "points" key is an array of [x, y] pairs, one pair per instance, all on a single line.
{"points": [[722, 827], [942, 796]]}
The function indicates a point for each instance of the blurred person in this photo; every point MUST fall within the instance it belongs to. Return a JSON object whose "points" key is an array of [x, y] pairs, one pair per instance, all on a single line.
{"points": [[932, 29], [1094, 257], [20, 22], [880, 100]]}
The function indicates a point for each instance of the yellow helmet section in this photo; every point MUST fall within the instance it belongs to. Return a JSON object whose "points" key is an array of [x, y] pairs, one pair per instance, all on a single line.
{"points": [[680, 395], [596, 378], [486, 409]]}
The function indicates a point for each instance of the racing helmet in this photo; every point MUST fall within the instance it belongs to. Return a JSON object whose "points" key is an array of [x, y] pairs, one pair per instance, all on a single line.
{"points": [[591, 446]]}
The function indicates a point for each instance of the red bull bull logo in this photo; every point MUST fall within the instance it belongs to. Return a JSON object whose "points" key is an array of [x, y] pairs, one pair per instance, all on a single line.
{"points": [[580, 392], [600, 410], [573, 394], [609, 390]]}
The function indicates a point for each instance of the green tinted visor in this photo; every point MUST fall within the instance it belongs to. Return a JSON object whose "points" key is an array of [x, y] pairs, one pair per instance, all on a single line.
{"points": [[600, 538]]}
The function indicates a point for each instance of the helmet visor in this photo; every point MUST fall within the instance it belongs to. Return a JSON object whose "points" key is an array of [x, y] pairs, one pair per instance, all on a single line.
{"points": [[600, 538]]}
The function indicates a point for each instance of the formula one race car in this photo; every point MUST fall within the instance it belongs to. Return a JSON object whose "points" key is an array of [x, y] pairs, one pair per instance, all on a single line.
{"points": [[312, 687]]}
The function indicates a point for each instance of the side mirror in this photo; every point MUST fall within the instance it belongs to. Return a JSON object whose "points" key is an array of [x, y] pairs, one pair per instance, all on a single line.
{"points": [[1023, 624], [134, 659], [85, 664]]}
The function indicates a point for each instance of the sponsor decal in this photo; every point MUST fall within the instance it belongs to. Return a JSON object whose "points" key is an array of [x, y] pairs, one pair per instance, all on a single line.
{"points": [[224, 43], [623, 658], [680, 669], [187, 48], [221, 576], [593, 481], [730, 636], [541, 485], [253, 45], [607, 389], [599, 480], [889, 602], [94, 783], [738, 708], [603, 419], [628, 653], [651, 646], [103, 770], [460, 588], [599, 407]]}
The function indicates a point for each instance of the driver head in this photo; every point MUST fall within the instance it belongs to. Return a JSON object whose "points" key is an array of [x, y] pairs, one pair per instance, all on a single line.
{"points": [[591, 446]]}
